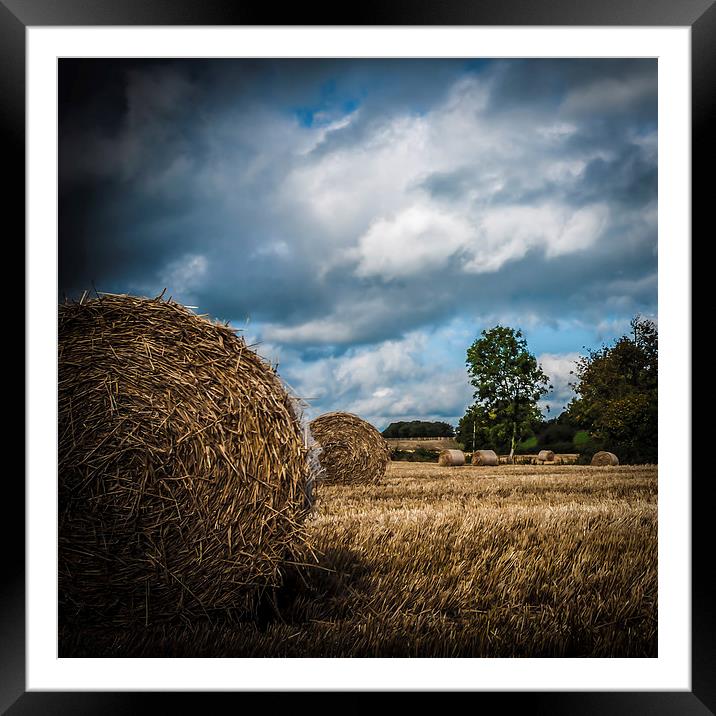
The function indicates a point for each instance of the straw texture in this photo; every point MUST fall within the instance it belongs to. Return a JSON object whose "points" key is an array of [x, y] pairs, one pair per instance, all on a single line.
{"points": [[604, 458], [486, 458], [353, 451], [451, 458], [183, 471]]}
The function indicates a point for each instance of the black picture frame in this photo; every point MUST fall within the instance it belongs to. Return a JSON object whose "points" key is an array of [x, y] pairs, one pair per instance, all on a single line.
{"points": [[17, 15]]}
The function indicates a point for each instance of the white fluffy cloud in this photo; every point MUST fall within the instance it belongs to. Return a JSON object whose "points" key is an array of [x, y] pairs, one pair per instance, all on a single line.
{"points": [[368, 200], [423, 238], [509, 232], [394, 380], [558, 367], [403, 380], [420, 238]]}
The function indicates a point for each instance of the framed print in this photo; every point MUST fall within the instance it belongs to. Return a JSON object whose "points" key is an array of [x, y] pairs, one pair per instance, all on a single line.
{"points": [[200, 138]]}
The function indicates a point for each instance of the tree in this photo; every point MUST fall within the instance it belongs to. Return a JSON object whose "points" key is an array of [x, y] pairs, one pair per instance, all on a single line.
{"points": [[617, 395], [508, 382], [474, 431], [419, 429]]}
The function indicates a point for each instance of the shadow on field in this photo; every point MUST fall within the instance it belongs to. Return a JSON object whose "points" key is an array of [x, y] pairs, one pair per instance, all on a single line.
{"points": [[309, 595], [313, 591]]}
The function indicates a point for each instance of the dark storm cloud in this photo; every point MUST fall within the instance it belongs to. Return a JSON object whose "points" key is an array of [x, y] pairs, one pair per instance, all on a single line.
{"points": [[126, 126], [629, 178], [549, 82]]}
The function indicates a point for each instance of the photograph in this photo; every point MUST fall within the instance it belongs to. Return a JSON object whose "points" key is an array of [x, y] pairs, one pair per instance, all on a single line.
{"points": [[358, 357]]}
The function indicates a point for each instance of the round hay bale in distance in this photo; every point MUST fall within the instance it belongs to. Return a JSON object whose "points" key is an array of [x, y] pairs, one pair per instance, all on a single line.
{"points": [[545, 455], [604, 459], [451, 458], [352, 450], [485, 458], [182, 465]]}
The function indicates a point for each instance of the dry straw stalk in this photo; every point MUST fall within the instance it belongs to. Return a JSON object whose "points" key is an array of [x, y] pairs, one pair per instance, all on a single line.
{"points": [[182, 465], [604, 458], [486, 458], [451, 458], [352, 450]]}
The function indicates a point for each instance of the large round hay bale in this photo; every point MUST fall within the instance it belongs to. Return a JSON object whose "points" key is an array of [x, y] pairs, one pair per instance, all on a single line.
{"points": [[352, 450], [451, 458], [604, 458], [485, 458], [545, 456], [182, 465]]}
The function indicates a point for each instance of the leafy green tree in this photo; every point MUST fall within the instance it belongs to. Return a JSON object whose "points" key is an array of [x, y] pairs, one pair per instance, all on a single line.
{"points": [[475, 431], [508, 382], [617, 394]]}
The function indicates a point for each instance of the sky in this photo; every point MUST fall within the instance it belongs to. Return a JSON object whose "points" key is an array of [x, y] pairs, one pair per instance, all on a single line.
{"points": [[362, 221]]}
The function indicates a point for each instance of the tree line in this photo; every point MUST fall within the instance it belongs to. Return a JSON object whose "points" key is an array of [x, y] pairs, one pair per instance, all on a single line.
{"points": [[419, 429], [614, 407]]}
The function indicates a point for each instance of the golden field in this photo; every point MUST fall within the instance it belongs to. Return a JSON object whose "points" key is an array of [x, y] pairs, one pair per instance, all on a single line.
{"points": [[511, 561]]}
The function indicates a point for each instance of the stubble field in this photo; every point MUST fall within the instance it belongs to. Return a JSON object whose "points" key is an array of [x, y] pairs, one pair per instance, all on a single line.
{"points": [[512, 561]]}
